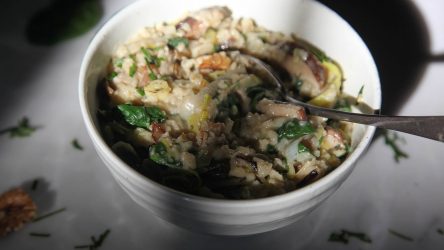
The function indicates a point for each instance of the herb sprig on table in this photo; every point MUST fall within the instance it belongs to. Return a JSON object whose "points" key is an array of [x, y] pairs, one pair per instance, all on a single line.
{"points": [[400, 235], [345, 235], [96, 243], [392, 140], [23, 129]]}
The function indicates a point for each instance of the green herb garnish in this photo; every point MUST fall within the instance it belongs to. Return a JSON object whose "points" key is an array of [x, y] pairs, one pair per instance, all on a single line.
{"points": [[96, 243], [175, 41], [141, 116], [391, 139], [23, 129], [150, 58], [132, 69], [400, 235], [160, 155], [118, 63], [62, 20], [345, 235], [111, 75], [43, 235], [302, 148], [49, 214], [141, 91], [75, 143], [152, 76], [295, 129]]}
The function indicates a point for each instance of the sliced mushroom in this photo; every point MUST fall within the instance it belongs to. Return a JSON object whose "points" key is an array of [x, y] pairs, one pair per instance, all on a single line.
{"points": [[281, 109]]}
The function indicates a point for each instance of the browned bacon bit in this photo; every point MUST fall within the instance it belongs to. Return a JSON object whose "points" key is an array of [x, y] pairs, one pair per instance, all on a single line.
{"points": [[192, 27], [317, 69], [16, 208], [216, 61], [157, 131]]}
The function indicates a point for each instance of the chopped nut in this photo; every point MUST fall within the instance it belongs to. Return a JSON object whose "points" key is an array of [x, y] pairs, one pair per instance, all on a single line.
{"points": [[16, 208]]}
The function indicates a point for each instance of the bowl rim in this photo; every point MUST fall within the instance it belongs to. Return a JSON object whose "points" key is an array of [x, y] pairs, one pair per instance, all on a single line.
{"points": [[304, 191]]}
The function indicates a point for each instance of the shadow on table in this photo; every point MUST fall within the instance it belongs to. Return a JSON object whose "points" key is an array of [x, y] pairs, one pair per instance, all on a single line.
{"points": [[398, 39], [30, 32]]}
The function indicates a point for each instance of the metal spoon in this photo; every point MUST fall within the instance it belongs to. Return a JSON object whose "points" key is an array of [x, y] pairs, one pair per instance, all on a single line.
{"points": [[431, 127]]}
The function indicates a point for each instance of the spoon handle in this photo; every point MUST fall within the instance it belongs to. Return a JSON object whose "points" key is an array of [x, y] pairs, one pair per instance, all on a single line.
{"points": [[431, 127]]}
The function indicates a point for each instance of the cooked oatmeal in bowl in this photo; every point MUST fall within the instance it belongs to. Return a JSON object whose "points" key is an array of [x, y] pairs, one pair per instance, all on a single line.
{"points": [[192, 133]]}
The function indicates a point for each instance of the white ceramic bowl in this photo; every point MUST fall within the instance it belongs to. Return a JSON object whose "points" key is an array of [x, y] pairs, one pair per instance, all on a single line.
{"points": [[310, 20]]}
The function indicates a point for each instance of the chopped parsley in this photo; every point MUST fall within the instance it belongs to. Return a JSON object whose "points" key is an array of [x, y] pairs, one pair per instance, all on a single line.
{"points": [[75, 143], [141, 91], [400, 235], [132, 69], [175, 41], [23, 129], [294, 129], [150, 58], [96, 243], [391, 139], [49, 214], [111, 75], [118, 63], [344, 236]]}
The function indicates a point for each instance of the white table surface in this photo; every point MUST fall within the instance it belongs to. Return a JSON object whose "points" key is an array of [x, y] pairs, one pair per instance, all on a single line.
{"points": [[380, 194]]}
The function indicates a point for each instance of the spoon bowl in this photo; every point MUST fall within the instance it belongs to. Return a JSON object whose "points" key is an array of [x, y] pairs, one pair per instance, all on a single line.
{"points": [[431, 127]]}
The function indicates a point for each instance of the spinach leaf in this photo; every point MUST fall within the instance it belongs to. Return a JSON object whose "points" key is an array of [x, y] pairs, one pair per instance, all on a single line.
{"points": [[175, 41], [62, 20], [294, 129], [141, 116], [159, 154]]}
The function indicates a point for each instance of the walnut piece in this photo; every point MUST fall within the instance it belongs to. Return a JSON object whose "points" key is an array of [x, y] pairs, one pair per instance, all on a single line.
{"points": [[16, 208]]}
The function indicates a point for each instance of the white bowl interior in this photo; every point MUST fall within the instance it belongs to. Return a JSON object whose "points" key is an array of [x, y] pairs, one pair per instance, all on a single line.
{"points": [[308, 19]]}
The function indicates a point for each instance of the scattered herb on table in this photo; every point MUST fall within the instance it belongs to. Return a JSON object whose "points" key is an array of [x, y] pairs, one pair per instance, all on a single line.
{"points": [[34, 185], [345, 235], [391, 139], [440, 231], [49, 214], [400, 235], [23, 129], [75, 143], [96, 243], [43, 235]]}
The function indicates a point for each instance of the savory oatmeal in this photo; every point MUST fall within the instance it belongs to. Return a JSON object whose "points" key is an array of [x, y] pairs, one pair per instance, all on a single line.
{"points": [[181, 105]]}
